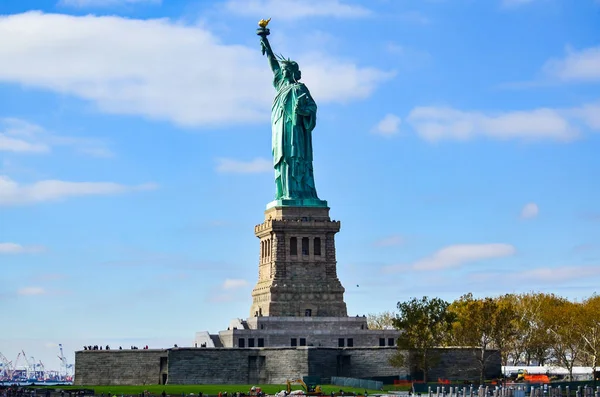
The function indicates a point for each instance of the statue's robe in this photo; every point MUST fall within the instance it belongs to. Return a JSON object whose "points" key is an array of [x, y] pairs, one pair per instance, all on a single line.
{"points": [[292, 140]]}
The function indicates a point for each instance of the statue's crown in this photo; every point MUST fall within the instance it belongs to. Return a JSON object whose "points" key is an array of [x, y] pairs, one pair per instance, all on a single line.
{"points": [[287, 61]]}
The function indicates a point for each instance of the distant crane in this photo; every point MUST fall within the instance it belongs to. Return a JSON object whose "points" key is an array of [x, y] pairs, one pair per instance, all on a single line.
{"points": [[41, 366], [7, 367], [30, 365], [16, 364], [63, 362]]}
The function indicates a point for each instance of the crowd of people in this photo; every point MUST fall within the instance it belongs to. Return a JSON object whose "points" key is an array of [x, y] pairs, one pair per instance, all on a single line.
{"points": [[97, 347], [20, 391]]}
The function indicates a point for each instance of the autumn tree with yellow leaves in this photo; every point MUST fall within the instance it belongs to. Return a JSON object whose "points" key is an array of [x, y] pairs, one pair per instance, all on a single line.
{"points": [[530, 328]]}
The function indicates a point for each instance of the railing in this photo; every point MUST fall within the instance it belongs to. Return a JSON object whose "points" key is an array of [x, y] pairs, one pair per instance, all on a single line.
{"points": [[355, 382], [518, 390]]}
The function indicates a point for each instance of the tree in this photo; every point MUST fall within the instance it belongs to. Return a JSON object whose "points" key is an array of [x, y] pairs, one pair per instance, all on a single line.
{"points": [[482, 323], [514, 350], [532, 341], [565, 334], [590, 332], [383, 320], [423, 324], [506, 326]]}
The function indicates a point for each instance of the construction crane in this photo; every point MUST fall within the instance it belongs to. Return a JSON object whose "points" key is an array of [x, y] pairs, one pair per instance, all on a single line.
{"points": [[15, 365], [41, 366], [30, 369], [7, 367], [63, 362]]}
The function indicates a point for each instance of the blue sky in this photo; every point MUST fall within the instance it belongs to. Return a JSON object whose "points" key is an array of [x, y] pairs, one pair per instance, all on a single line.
{"points": [[457, 141]]}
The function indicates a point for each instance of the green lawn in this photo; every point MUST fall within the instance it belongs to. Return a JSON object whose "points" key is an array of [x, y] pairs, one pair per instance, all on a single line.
{"points": [[178, 390]]}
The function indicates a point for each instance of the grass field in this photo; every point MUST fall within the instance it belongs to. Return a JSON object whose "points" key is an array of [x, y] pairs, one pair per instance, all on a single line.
{"points": [[213, 390]]}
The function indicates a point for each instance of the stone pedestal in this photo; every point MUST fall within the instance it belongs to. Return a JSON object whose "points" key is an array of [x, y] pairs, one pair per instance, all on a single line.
{"points": [[297, 265]]}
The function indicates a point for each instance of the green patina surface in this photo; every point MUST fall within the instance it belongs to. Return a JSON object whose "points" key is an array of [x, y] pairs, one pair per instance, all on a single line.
{"points": [[293, 118], [297, 203]]}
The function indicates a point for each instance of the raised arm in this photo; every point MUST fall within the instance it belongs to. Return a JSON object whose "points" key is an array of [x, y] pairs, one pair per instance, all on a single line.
{"points": [[266, 49]]}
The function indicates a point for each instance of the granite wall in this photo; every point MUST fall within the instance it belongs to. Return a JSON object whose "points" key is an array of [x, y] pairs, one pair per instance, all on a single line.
{"points": [[236, 366], [261, 365], [121, 367]]}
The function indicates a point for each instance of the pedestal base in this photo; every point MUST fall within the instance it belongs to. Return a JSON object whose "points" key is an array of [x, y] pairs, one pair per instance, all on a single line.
{"points": [[297, 272]]}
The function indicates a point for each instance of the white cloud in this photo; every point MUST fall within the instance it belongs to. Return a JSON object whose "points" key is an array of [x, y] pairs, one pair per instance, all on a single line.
{"points": [[577, 66], [8, 144], [13, 193], [530, 210], [589, 114], [455, 256], [14, 248], [296, 9], [163, 70], [558, 274], [234, 283], [329, 79], [389, 241], [439, 123], [31, 291], [233, 166], [21, 136], [536, 276], [388, 126], [16, 136], [103, 3]]}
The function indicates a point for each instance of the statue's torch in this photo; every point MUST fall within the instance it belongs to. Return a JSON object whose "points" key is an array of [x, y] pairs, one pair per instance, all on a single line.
{"points": [[263, 31]]}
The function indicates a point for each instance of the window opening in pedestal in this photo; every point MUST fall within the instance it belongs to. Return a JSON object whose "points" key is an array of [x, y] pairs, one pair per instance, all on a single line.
{"points": [[293, 246], [317, 246], [305, 246]]}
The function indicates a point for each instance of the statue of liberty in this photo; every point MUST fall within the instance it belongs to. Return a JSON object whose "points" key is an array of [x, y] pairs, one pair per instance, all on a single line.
{"points": [[293, 118]]}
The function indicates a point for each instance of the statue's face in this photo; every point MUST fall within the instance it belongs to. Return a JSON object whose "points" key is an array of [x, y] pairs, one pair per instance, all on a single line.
{"points": [[287, 73]]}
